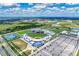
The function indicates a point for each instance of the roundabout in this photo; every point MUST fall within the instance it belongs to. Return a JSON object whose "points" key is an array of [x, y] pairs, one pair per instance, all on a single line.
{"points": [[37, 37]]}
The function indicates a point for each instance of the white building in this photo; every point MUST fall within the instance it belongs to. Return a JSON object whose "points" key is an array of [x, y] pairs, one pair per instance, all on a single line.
{"points": [[64, 32]]}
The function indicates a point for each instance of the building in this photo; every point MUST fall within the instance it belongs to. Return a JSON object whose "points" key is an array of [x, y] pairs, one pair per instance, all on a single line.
{"points": [[64, 32], [75, 32]]}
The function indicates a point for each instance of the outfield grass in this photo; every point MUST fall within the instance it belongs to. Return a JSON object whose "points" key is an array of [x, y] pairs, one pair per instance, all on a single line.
{"points": [[36, 35]]}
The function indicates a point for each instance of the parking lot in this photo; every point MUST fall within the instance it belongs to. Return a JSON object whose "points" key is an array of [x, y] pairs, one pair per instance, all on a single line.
{"points": [[63, 46], [6, 46]]}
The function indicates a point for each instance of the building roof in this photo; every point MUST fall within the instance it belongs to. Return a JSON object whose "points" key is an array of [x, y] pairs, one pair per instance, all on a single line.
{"points": [[10, 36], [38, 43]]}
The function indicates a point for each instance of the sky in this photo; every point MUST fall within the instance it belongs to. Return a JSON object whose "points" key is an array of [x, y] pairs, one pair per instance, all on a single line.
{"points": [[39, 10]]}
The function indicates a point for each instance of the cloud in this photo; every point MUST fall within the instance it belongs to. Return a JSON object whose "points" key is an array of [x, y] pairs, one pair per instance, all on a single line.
{"points": [[40, 6], [9, 4], [72, 10], [72, 3], [30, 3], [53, 8], [43, 9], [63, 7]]}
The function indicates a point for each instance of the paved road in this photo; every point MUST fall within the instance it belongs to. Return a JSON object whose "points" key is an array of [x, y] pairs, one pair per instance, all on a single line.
{"points": [[9, 50], [63, 46], [2, 52]]}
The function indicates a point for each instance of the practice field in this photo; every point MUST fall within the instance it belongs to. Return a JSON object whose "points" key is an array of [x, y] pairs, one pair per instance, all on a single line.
{"points": [[19, 43], [20, 47], [36, 35]]}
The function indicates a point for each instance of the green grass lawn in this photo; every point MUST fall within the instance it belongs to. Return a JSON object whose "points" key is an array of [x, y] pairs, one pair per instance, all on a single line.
{"points": [[68, 24], [22, 32], [30, 33], [17, 26], [59, 29], [78, 53], [19, 33], [36, 35]]}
